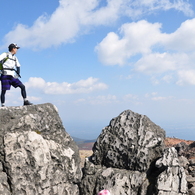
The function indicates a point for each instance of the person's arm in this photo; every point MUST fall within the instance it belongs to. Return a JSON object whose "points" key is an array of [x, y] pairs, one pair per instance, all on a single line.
{"points": [[18, 70], [17, 67], [17, 62]]}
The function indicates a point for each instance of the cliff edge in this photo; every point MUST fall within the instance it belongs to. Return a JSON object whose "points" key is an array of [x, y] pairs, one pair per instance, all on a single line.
{"points": [[37, 156]]}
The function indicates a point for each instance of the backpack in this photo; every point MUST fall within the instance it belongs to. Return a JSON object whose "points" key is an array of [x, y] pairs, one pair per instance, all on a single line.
{"points": [[3, 61]]}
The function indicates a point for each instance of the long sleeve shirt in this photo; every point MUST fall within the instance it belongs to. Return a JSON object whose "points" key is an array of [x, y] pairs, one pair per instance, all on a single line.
{"points": [[11, 63]]}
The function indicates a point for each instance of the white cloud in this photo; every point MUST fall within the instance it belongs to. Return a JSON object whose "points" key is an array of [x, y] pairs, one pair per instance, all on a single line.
{"points": [[183, 39], [162, 62], [140, 7], [159, 98], [74, 17], [83, 86], [134, 99], [34, 99], [186, 77], [130, 97], [111, 50], [144, 38], [159, 53], [168, 78], [137, 37], [154, 80], [101, 99], [155, 97]]}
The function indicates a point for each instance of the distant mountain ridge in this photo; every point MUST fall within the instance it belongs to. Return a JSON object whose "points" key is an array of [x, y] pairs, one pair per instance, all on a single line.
{"points": [[84, 144], [80, 141]]}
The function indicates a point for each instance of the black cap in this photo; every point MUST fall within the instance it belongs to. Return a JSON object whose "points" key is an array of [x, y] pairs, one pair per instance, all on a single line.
{"points": [[13, 45]]}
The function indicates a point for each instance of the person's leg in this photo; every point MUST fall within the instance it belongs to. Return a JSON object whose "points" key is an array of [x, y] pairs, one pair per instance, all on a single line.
{"points": [[3, 98], [5, 85], [17, 83], [23, 93]]}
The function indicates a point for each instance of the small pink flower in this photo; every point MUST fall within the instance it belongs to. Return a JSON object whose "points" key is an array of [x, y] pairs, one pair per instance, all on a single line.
{"points": [[104, 192]]}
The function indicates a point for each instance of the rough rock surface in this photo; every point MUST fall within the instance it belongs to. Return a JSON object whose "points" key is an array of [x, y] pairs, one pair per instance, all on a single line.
{"points": [[172, 180], [187, 160], [129, 157], [128, 142], [37, 156]]}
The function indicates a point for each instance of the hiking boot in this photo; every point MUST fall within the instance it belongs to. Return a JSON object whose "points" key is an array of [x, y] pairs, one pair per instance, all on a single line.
{"points": [[26, 102]]}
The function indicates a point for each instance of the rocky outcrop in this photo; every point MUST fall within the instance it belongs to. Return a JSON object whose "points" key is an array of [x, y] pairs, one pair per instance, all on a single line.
{"points": [[128, 142], [37, 156], [187, 160], [129, 157]]}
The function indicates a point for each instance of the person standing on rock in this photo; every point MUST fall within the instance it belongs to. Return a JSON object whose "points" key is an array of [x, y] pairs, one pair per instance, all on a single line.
{"points": [[9, 75]]}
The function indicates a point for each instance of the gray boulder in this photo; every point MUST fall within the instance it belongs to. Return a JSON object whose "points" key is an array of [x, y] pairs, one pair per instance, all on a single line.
{"points": [[131, 141], [129, 157], [37, 156]]}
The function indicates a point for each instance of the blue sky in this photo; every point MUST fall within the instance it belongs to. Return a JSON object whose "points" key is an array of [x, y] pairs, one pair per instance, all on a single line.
{"points": [[94, 59]]}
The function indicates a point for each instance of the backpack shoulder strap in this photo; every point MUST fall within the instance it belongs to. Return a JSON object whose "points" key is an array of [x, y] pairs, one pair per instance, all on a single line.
{"points": [[7, 57]]}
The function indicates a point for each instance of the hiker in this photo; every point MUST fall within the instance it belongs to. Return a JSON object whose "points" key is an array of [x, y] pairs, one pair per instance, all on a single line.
{"points": [[9, 75]]}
